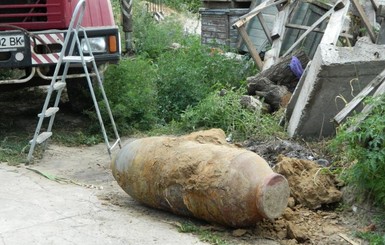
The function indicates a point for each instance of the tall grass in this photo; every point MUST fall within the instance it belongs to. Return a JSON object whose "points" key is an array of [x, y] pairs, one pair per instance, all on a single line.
{"points": [[364, 149]]}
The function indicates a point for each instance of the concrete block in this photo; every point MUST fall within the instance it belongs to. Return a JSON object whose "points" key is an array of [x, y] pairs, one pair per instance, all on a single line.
{"points": [[334, 77]]}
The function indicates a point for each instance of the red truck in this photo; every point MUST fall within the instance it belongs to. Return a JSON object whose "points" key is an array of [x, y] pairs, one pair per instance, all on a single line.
{"points": [[32, 34]]}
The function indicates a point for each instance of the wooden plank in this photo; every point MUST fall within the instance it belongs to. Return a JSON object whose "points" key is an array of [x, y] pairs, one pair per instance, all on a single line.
{"points": [[365, 19], [375, 4], [381, 11], [272, 56], [320, 3], [346, 238], [318, 30], [356, 100], [265, 27], [312, 27], [240, 41], [368, 108], [335, 25], [247, 17], [381, 34], [250, 46]]}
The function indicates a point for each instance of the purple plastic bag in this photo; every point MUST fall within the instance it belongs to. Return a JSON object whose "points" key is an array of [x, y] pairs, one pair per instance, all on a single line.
{"points": [[296, 67]]}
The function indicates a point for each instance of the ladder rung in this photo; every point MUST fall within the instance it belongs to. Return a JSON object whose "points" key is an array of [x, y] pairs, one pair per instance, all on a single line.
{"points": [[78, 59], [59, 85], [42, 137], [115, 143], [49, 112]]}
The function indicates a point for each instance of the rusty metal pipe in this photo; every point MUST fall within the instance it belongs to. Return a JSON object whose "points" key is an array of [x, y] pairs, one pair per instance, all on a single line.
{"points": [[200, 175]]}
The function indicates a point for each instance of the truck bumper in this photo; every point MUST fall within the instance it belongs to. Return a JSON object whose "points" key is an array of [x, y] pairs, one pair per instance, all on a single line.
{"points": [[43, 48]]}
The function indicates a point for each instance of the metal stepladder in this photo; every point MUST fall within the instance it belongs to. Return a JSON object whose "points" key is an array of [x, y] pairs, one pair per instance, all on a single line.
{"points": [[66, 57]]}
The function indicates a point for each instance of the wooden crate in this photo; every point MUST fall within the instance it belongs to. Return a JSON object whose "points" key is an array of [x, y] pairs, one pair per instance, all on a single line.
{"points": [[217, 28]]}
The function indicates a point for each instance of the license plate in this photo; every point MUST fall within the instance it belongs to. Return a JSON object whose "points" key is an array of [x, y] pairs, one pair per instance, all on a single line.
{"points": [[12, 41]]}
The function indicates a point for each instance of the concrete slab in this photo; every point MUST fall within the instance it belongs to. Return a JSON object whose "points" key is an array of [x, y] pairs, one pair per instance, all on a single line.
{"points": [[335, 76]]}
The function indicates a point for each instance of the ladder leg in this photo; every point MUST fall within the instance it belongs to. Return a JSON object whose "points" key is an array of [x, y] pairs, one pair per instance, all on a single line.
{"points": [[101, 87]]}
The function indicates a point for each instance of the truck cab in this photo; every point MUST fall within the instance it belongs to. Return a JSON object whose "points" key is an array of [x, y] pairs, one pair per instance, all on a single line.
{"points": [[32, 33]]}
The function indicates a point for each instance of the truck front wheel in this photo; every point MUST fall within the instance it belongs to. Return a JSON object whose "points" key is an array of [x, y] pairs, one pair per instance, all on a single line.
{"points": [[79, 94]]}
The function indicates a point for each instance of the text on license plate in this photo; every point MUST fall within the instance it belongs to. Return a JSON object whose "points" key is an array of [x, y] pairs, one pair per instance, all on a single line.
{"points": [[14, 41]]}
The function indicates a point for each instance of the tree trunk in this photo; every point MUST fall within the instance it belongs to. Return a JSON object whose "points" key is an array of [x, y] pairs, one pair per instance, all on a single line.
{"points": [[279, 73], [275, 95]]}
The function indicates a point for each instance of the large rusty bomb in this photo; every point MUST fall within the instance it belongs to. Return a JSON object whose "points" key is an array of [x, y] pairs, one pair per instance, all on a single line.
{"points": [[202, 176]]}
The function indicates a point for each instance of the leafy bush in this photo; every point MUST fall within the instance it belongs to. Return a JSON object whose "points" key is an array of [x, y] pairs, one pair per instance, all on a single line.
{"points": [[365, 150], [226, 112], [186, 5], [188, 75], [130, 89], [151, 38]]}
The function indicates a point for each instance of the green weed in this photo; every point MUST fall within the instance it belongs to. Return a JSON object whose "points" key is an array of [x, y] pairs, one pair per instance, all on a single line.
{"points": [[226, 112], [188, 75], [130, 87], [373, 237], [364, 149], [151, 38], [184, 5], [12, 149], [203, 234]]}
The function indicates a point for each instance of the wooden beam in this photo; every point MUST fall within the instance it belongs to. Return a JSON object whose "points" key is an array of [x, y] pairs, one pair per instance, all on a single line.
{"points": [[272, 56], [375, 4], [247, 17], [364, 19], [318, 30], [240, 41], [368, 108], [265, 27], [335, 25], [312, 27], [250, 46], [381, 11], [381, 33], [356, 100]]}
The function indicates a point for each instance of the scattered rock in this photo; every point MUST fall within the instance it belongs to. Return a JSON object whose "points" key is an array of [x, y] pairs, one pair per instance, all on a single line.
{"points": [[271, 150], [291, 202], [308, 184], [289, 214], [251, 103], [295, 232], [239, 232]]}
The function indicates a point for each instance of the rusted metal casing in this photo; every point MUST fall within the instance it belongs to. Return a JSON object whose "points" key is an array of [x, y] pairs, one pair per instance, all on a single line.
{"points": [[202, 176]]}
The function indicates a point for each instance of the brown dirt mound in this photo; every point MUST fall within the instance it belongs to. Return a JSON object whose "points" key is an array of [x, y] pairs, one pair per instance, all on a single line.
{"points": [[309, 184]]}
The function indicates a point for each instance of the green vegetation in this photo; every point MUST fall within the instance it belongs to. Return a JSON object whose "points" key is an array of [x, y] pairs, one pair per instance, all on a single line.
{"points": [[151, 39], [225, 111], [188, 75], [175, 90], [131, 89], [361, 157], [364, 149], [203, 234], [184, 5], [374, 238], [12, 148]]}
